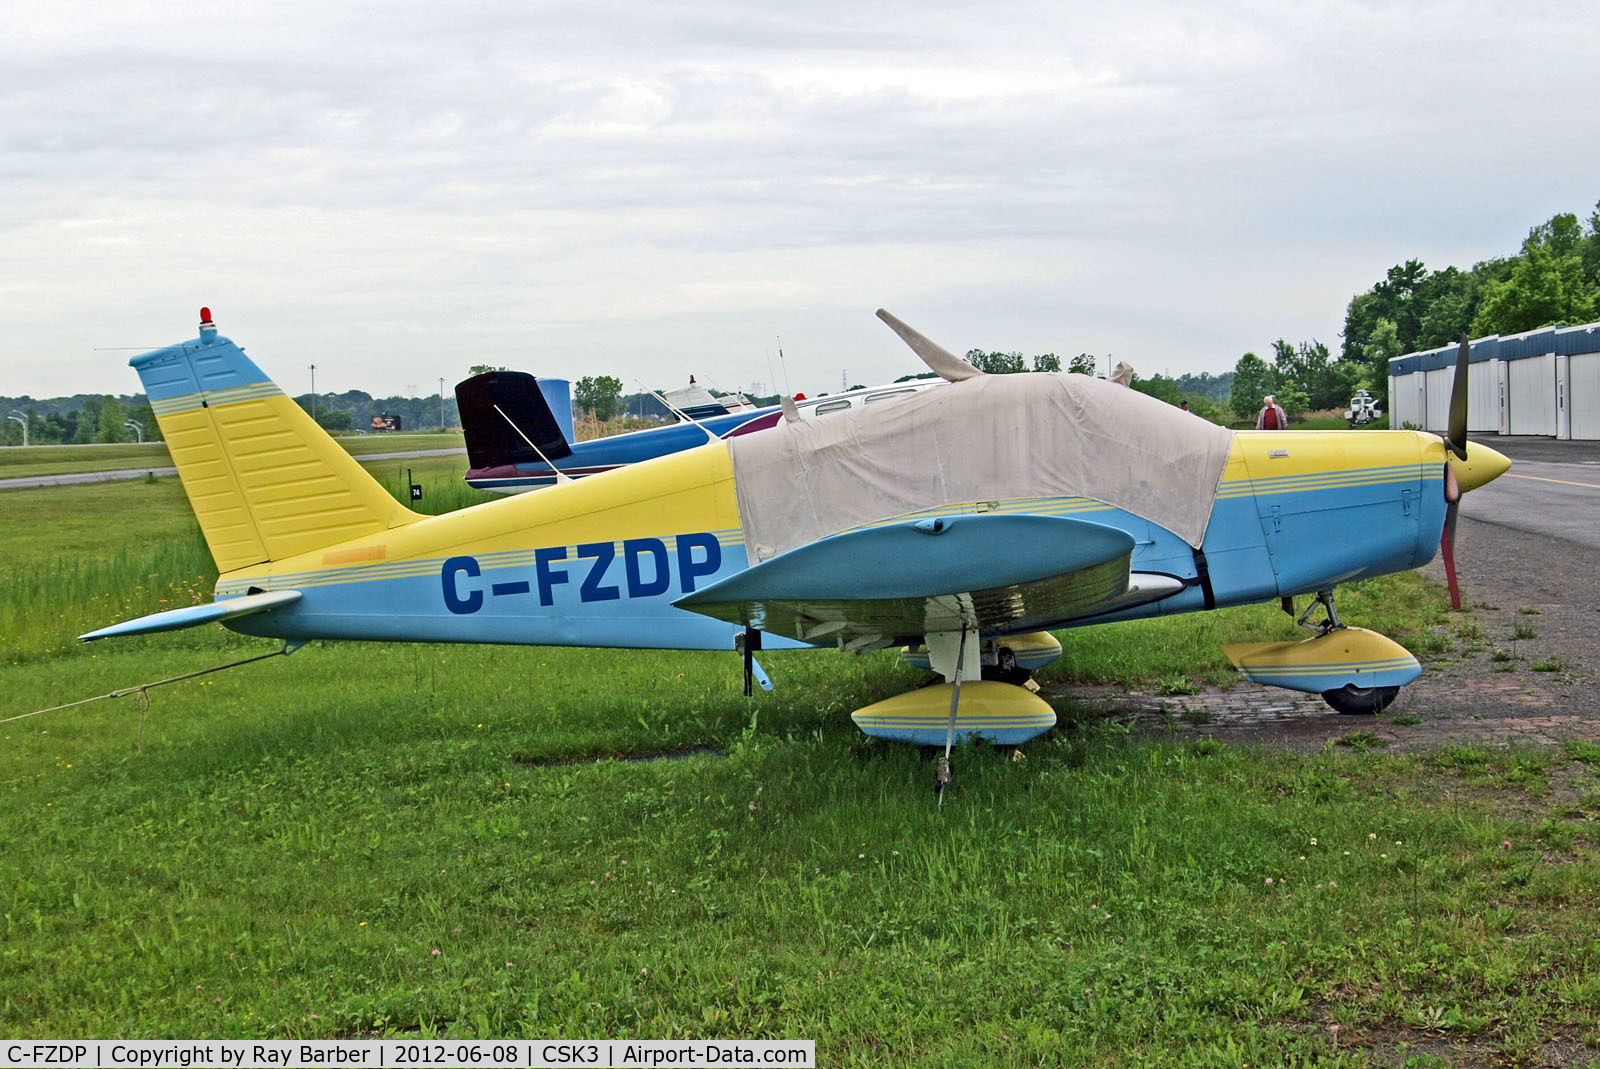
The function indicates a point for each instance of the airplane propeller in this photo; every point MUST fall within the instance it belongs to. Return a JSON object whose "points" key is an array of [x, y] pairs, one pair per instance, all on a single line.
{"points": [[1462, 473]]}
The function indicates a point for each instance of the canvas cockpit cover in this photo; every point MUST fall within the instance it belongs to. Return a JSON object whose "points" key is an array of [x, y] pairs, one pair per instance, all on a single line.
{"points": [[989, 438]]}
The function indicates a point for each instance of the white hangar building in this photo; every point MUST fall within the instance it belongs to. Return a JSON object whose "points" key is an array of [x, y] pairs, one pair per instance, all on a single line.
{"points": [[1541, 382]]}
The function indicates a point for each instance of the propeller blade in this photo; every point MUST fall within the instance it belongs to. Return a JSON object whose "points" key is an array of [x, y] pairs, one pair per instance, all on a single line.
{"points": [[1447, 551], [1456, 435], [1460, 474], [1447, 537], [1455, 440]]}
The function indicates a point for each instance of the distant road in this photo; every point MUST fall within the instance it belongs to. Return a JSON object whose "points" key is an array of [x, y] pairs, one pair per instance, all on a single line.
{"points": [[35, 481], [1553, 488]]}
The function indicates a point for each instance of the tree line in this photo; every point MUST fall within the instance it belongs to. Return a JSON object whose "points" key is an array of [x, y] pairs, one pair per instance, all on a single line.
{"points": [[79, 419], [1554, 280], [354, 410]]}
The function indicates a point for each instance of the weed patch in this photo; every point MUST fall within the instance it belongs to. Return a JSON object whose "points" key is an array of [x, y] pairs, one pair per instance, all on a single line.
{"points": [[388, 839]]}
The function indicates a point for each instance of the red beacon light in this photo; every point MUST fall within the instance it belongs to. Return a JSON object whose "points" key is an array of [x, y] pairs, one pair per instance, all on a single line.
{"points": [[208, 329], [799, 397], [205, 315]]}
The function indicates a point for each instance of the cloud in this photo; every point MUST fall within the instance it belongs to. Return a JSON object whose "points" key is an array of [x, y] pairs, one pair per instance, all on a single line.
{"points": [[405, 189]]}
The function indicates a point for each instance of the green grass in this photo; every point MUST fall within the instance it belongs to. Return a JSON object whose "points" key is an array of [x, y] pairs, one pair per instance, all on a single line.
{"points": [[1335, 423], [82, 556], [17, 462], [1173, 654], [281, 849], [360, 445]]}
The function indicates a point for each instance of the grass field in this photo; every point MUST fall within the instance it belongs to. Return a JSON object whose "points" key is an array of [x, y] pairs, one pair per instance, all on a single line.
{"points": [[433, 840], [1323, 422], [17, 462]]}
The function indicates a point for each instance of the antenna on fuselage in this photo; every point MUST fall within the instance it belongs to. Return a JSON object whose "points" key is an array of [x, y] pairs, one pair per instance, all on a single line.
{"points": [[561, 476], [784, 366]]}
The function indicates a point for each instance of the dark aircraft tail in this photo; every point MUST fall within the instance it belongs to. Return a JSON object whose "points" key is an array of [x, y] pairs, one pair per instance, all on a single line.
{"points": [[502, 411]]}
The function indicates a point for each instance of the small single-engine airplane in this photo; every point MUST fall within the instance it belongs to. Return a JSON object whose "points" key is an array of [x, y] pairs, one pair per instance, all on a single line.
{"points": [[520, 437], [965, 519]]}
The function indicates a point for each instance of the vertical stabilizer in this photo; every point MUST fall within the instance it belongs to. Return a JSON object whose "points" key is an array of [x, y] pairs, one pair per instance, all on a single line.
{"points": [[264, 480], [509, 417]]}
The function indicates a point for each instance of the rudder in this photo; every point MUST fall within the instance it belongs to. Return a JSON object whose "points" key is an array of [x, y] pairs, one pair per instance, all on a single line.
{"points": [[503, 411], [265, 481]]}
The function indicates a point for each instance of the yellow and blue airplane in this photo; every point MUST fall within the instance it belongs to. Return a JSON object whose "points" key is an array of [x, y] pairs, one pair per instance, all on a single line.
{"points": [[964, 519]]}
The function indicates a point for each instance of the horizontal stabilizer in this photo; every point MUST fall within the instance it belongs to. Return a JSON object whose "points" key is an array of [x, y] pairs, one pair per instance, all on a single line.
{"points": [[946, 573], [194, 615]]}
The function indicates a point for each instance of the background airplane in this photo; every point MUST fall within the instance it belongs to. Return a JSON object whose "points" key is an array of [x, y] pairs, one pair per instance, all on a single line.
{"points": [[519, 429], [996, 506]]}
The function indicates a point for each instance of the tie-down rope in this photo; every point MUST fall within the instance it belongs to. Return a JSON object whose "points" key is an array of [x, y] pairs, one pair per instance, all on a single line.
{"points": [[143, 690]]}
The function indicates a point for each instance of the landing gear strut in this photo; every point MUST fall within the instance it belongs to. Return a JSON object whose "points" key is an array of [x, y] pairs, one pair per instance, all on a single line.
{"points": [[1329, 623], [941, 777], [1350, 699]]}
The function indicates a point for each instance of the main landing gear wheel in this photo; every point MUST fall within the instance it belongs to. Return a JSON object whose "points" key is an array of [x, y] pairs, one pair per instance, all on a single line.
{"points": [[1005, 669], [1360, 701]]}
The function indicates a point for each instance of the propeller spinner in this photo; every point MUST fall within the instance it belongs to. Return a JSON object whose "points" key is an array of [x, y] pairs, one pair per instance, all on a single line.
{"points": [[1465, 468]]}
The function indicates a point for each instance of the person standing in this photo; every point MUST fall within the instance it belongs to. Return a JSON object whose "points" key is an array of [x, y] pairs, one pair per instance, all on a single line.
{"points": [[1272, 417]]}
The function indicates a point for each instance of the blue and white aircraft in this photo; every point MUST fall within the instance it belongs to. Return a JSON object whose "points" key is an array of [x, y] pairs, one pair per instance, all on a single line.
{"points": [[520, 436]]}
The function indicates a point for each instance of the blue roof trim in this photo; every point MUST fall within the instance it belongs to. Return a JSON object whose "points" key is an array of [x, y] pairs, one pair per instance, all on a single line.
{"points": [[1434, 359], [1570, 341], [1566, 341]]}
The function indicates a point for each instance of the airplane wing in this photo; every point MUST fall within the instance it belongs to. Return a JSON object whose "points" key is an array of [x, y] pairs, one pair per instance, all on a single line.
{"points": [[194, 615], [894, 583]]}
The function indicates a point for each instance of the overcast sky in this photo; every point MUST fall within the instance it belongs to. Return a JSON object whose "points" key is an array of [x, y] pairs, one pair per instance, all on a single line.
{"points": [[395, 191]]}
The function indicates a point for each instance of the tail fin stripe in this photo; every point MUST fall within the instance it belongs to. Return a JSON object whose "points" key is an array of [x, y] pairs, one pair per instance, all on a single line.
{"points": [[185, 402], [265, 481]]}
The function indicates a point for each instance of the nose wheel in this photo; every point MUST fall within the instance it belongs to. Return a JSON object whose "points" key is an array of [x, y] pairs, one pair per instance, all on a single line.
{"points": [[1352, 700]]}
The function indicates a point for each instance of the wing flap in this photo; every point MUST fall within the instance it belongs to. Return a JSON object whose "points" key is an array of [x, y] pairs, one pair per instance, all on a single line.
{"points": [[904, 580], [195, 615]]}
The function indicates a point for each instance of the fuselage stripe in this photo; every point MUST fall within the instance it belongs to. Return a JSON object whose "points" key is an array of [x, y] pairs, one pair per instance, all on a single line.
{"points": [[411, 569]]}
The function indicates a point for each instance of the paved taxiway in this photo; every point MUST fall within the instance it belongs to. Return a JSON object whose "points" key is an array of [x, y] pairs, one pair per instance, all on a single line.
{"points": [[1553, 488]]}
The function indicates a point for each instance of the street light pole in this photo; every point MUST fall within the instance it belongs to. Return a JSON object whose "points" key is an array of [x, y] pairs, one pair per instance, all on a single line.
{"points": [[313, 393], [18, 417], [441, 402], [138, 428]]}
